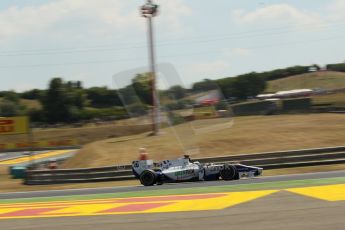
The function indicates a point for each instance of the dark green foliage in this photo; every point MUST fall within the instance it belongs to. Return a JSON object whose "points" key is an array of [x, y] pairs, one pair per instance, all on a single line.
{"points": [[10, 108], [142, 84], [226, 86], [176, 92], [336, 67], [62, 102], [137, 109], [74, 84], [250, 84], [204, 85], [55, 102], [34, 94], [128, 95], [287, 72], [10, 105], [175, 119], [37, 115], [243, 86], [11, 96], [103, 113], [102, 97]]}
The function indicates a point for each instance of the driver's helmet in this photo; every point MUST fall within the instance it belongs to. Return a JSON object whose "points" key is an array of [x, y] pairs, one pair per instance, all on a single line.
{"points": [[186, 156]]}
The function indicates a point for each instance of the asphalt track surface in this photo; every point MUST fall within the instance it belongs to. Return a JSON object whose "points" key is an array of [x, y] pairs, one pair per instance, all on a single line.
{"points": [[69, 192], [283, 210]]}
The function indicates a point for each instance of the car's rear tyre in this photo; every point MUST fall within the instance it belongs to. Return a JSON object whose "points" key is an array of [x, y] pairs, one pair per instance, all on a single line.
{"points": [[148, 178], [229, 172]]}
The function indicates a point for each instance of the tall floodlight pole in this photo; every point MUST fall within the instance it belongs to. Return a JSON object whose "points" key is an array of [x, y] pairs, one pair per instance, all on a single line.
{"points": [[149, 10]]}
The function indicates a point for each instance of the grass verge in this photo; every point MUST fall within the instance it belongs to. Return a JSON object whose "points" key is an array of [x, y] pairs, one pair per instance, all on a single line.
{"points": [[183, 191], [15, 185]]}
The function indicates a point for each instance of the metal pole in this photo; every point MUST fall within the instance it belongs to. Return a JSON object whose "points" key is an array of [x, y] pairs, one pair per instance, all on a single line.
{"points": [[155, 103]]}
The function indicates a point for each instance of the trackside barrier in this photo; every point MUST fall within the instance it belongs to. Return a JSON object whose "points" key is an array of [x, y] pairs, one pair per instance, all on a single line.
{"points": [[268, 160], [271, 154], [13, 169], [111, 173]]}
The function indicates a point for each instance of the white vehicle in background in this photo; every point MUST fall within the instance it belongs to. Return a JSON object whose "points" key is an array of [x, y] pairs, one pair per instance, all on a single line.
{"points": [[181, 169]]}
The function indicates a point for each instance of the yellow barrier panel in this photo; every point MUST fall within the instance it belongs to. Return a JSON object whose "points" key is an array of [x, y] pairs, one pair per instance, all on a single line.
{"points": [[14, 125]]}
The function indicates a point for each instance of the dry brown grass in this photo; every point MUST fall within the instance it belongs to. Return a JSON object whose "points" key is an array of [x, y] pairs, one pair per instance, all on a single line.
{"points": [[83, 135], [325, 80], [31, 104], [247, 135]]}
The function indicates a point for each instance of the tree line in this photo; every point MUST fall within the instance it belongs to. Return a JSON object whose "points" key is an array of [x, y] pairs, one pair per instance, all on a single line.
{"points": [[69, 101]]}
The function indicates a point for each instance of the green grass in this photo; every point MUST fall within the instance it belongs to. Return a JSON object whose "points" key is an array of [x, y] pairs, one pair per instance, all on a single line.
{"points": [[325, 80], [212, 189]]}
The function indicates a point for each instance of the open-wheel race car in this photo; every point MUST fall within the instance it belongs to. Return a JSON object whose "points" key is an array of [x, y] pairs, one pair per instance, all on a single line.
{"points": [[182, 169]]}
